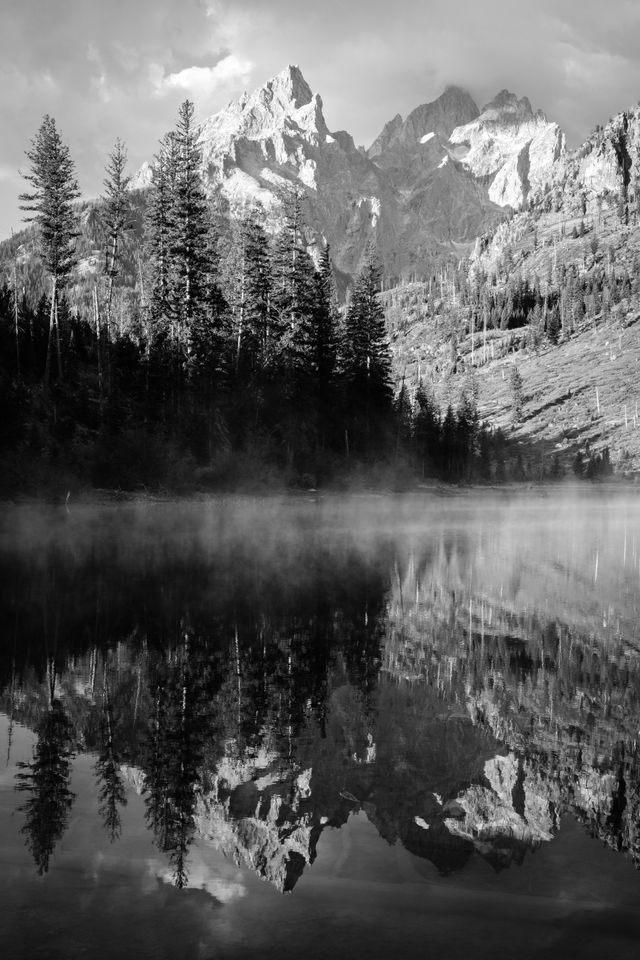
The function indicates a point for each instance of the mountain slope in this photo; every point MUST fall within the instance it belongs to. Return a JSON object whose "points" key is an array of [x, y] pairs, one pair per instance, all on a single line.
{"points": [[576, 253]]}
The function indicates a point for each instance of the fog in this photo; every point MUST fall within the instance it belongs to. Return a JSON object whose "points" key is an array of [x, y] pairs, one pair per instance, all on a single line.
{"points": [[574, 555]]}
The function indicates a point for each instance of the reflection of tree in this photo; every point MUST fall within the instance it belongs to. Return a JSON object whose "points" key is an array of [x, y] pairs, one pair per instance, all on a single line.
{"points": [[111, 790], [174, 756], [46, 778]]}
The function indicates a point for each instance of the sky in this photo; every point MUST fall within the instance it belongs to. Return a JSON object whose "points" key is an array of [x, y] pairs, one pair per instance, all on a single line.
{"points": [[120, 68]]}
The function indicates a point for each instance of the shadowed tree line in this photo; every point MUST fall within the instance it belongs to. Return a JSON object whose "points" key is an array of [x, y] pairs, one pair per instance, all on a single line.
{"points": [[189, 347]]}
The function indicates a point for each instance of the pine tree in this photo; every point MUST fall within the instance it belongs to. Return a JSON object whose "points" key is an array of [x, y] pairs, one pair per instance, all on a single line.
{"points": [[52, 176], [189, 239], [426, 432], [260, 333], [116, 217], [47, 779], [111, 790], [293, 291], [517, 396], [367, 363], [176, 749], [553, 325], [159, 232]]}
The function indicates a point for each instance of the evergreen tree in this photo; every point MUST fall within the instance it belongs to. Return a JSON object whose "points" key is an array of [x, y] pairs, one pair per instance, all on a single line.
{"points": [[293, 292], [175, 754], [159, 229], [111, 789], [403, 417], [260, 335], [426, 433], [553, 325], [367, 362], [517, 395], [47, 781], [116, 217], [52, 176], [189, 237]]}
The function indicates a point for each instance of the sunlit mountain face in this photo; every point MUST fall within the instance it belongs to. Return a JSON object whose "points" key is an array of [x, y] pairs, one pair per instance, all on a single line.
{"points": [[251, 681]]}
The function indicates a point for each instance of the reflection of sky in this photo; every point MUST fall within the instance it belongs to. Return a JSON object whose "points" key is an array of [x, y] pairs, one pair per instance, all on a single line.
{"points": [[361, 897], [116, 895], [362, 894]]}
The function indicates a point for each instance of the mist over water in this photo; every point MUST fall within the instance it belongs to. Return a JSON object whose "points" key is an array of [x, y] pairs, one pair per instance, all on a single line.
{"points": [[424, 706]]}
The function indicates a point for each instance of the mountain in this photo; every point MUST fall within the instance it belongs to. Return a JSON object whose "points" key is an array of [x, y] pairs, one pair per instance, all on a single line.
{"points": [[428, 185], [505, 147], [426, 188], [554, 289], [509, 147], [263, 144]]}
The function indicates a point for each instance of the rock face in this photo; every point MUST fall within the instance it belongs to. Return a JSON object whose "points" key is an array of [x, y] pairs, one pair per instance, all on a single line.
{"points": [[259, 816], [427, 184], [404, 148], [598, 175], [510, 147], [262, 145]]}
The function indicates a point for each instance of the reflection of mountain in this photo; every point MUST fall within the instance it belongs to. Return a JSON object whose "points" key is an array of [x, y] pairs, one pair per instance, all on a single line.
{"points": [[566, 702], [465, 687]]}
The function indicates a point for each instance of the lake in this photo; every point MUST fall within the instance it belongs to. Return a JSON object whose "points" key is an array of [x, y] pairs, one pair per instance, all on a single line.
{"points": [[364, 726]]}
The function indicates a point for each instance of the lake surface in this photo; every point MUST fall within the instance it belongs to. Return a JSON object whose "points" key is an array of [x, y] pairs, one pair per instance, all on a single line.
{"points": [[370, 727]]}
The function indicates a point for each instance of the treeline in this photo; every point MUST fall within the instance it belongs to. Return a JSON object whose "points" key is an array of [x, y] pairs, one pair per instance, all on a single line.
{"points": [[230, 361], [548, 308]]}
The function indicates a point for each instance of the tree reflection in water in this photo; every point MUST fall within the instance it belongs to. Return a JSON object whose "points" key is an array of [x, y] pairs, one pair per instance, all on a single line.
{"points": [[268, 687], [46, 779]]}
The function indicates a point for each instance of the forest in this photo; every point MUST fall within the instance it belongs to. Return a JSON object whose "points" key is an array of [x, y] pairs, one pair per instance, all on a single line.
{"points": [[197, 351]]}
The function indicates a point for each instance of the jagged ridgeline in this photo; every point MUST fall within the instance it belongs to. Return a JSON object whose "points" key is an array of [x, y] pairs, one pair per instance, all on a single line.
{"points": [[202, 317]]}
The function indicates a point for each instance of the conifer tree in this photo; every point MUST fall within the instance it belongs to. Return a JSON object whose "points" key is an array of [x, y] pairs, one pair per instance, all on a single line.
{"points": [[260, 332], [517, 396], [111, 789], [293, 291], [46, 780], [426, 431], [189, 239], [159, 231], [52, 177], [116, 217], [367, 363]]}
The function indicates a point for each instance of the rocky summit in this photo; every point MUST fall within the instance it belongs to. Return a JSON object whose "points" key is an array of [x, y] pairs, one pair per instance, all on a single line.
{"points": [[429, 184]]}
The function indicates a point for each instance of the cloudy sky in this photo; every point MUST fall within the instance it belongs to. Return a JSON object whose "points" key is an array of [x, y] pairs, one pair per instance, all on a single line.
{"points": [[122, 67]]}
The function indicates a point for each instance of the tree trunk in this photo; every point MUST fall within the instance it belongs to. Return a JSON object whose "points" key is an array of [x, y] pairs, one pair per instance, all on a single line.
{"points": [[15, 315], [96, 314], [58, 350], [47, 365]]}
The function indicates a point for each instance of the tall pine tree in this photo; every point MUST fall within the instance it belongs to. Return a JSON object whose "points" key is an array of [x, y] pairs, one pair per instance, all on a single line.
{"points": [[52, 176], [367, 362]]}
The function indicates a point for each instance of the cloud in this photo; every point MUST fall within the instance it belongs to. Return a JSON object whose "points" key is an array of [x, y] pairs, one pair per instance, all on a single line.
{"points": [[222, 881], [120, 69], [228, 73]]}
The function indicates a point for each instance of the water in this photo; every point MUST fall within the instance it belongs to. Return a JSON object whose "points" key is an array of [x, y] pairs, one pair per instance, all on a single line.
{"points": [[368, 727]]}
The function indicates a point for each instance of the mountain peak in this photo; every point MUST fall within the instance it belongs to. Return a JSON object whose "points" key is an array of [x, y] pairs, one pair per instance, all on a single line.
{"points": [[507, 103], [290, 85]]}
